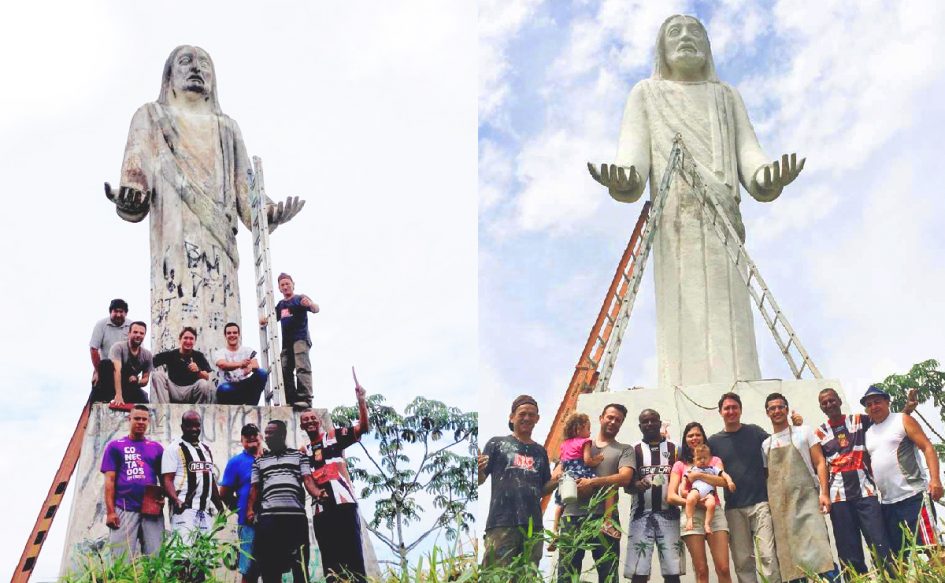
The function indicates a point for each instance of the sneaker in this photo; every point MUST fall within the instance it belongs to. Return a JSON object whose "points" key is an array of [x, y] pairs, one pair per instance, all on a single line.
{"points": [[301, 405], [611, 531]]}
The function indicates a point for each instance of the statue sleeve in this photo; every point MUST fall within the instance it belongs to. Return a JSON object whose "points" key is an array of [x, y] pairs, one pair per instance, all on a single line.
{"points": [[139, 159], [242, 166], [748, 150], [633, 148]]}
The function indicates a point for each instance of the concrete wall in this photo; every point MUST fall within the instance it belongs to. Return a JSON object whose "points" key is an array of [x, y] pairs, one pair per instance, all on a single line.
{"points": [[699, 403], [221, 431]]}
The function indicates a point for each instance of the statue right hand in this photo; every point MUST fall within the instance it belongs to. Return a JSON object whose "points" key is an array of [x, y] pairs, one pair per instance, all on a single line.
{"points": [[622, 183], [128, 199]]}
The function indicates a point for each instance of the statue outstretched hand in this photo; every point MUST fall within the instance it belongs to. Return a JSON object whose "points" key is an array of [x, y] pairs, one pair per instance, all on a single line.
{"points": [[283, 212], [129, 200], [623, 184], [771, 179]]}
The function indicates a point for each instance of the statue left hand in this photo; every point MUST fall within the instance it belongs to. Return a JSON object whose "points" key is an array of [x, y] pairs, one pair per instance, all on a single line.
{"points": [[771, 179], [283, 212]]}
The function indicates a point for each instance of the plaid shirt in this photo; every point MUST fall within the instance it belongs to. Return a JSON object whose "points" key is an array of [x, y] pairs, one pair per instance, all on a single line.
{"points": [[847, 461]]}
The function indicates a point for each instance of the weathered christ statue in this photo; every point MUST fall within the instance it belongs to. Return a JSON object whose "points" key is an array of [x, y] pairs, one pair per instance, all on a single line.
{"points": [[703, 317], [186, 165]]}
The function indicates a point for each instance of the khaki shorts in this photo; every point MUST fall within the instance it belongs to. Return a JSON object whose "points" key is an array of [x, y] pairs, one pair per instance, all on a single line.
{"points": [[719, 524]]}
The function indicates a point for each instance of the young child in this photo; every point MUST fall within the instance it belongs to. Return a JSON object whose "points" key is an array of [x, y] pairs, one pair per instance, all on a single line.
{"points": [[575, 456], [701, 492]]}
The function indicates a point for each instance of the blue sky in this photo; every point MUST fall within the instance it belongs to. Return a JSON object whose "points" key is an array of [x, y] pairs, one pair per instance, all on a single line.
{"points": [[852, 250]]}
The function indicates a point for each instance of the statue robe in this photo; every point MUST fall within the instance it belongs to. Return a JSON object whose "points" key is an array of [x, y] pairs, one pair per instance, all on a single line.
{"points": [[200, 188], [704, 323]]}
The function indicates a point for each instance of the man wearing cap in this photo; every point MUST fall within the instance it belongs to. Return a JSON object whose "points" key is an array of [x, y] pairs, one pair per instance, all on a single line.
{"points": [[855, 509], [292, 312], [893, 443], [108, 331], [234, 490], [521, 475]]}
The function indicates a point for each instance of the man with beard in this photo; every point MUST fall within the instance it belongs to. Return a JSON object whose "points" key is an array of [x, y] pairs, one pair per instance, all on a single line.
{"points": [[234, 491], [614, 472], [521, 475], [128, 369], [280, 478], [188, 478], [107, 332], [335, 515]]}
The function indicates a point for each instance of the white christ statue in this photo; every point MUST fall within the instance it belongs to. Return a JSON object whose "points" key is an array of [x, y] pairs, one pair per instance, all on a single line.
{"points": [[704, 323], [186, 165]]}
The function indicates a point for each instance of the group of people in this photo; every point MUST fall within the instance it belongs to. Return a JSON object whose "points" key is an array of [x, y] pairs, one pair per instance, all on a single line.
{"points": [[122, 367], [864, 470], [266, 486]]}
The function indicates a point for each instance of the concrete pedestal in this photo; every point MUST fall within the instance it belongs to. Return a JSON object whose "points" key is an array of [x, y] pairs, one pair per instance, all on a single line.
{"points": [[221, 431]]}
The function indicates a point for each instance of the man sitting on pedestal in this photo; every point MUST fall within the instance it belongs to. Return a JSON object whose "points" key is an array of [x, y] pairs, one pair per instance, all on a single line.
{"points": [[187, 379], [108, 332], [241, 378], [127, 370]]}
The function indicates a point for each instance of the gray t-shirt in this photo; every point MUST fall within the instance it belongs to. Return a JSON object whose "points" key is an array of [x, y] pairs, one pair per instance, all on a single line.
{"points": [[616, 455], [105, 335], [131, 364]]}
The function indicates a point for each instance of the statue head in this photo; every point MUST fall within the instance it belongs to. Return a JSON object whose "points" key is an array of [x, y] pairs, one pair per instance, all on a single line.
{"points": [[683, 52], [189, 72]]}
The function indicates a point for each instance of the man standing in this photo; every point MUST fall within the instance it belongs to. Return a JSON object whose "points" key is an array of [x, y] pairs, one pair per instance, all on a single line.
{"points": [[893, 443], [241, 379], [131, 466], [292, 312], [187, 475], [335, 515], [128, 369], [108, 331], [654, 524], [187, 379], [234, 491], [281, 525], [521, 475], [746, 509], [854, 498], [185, 164], [797, 495], [614, 472]]}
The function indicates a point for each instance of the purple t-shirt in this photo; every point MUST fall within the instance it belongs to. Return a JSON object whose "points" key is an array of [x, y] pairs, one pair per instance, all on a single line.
{"points": [[136, 464]]}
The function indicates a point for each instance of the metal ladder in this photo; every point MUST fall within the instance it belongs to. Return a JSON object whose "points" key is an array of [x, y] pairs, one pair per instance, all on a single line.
{"points": [[269, 334], [681, 163]]}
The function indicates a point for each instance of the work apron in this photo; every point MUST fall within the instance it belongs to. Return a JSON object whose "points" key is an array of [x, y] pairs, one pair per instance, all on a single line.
{"points": [[800, 532]]}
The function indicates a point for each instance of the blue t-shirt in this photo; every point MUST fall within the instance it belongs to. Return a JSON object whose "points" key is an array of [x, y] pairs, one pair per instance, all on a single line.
{"points": [[237, 475], [294, 319]]}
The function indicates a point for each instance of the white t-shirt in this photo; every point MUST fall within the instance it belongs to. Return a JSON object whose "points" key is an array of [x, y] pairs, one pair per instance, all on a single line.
{"points": [[803, 439], [238, 355]]}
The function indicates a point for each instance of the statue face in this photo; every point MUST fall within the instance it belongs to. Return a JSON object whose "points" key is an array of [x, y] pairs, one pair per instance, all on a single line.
{"points": [[686, 47], [192, 72]]}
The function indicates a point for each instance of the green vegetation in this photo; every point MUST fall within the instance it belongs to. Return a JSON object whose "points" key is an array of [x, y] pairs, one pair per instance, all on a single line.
{"points": [[928, 383]]}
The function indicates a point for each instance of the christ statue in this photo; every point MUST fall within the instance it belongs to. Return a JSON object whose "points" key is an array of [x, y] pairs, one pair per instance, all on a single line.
{"points": [[185, 164], [703, 317]]}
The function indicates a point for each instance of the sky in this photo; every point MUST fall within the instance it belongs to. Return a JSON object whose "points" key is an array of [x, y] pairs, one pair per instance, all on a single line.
{"points": [[366, 110], [851, 250]]}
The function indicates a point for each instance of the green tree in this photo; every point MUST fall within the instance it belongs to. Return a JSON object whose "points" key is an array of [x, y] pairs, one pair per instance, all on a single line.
{"points": [[927, 381], [430, 449]]}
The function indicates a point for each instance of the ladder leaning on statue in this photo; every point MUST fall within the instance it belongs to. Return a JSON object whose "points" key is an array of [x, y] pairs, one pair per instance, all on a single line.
{"points": [[269, 338], [596, 364]]}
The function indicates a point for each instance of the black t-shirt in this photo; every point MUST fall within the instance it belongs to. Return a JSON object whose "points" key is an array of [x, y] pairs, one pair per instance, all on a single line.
{"points": [[327, 459], [177, 365], [519, 473], [740, 451]]}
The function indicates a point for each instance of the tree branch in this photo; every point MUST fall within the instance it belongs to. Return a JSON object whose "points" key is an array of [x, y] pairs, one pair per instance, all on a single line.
{"points": [[393, 546]]}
